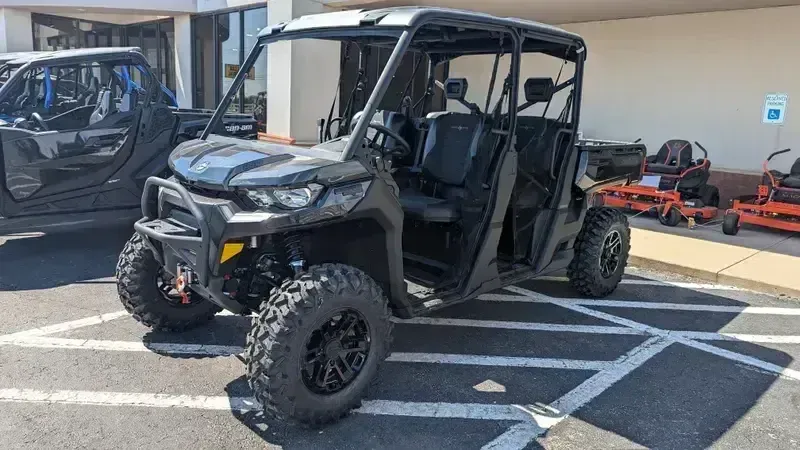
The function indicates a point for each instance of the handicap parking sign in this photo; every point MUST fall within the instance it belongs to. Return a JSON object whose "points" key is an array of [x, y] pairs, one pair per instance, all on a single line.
{"points": [[774, 108]]}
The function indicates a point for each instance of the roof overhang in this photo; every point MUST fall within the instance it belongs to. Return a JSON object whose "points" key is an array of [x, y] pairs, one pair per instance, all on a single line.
{"points": [[573, 11]]}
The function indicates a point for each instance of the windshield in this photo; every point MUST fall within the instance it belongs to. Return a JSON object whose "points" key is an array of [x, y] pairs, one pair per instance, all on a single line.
{"points": [[6, 71]]}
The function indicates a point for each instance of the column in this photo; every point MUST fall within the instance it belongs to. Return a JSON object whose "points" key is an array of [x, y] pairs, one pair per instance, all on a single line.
{"points": [[183, 60], [301, 76], [16, 33]]}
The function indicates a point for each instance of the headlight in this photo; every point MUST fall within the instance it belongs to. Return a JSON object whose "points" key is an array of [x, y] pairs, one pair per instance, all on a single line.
{"points": [[289, 198]]}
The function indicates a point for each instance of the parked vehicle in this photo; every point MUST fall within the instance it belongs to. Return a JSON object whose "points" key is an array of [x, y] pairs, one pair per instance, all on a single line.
{"points": [[400, 212], [776, 205], [680, 186], [81, 131]]}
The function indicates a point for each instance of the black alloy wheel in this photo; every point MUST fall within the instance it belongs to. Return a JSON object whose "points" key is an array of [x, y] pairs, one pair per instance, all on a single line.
{"points": [[610, 255], [336, 352]]}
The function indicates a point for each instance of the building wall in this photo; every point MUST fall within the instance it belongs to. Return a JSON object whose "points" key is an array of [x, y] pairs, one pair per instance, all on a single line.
{"points": [[15, 30], [700, 77]]}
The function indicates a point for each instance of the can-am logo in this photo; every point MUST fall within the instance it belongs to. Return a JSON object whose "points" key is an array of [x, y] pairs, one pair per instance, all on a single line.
{"points": [[200, 168], [238, 128]]}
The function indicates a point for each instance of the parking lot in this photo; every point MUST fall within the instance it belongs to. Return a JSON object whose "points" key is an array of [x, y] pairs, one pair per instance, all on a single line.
{"points": [[662, 363]]}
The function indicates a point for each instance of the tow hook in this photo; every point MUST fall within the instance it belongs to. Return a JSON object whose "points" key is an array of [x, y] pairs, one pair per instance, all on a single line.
{"points": [[183, 279]]}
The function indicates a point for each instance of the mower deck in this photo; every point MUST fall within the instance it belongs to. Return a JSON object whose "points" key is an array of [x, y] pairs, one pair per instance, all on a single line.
{"points": [[646, 198], [771, 214]]}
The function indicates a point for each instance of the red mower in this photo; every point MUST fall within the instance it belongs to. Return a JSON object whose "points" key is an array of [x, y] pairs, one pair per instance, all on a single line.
{"points": [[673, 186], [777, 204]]}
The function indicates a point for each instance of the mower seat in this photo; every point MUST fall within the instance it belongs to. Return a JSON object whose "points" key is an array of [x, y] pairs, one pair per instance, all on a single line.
{"points": [[672, 158], [793, 179], [664, 169], [450, 145]]}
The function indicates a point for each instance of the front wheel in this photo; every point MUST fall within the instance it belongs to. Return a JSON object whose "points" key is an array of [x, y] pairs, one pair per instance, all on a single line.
{"points": [[669, 217], [147, 292], [316, 345], [601, 252], [730, 224]]}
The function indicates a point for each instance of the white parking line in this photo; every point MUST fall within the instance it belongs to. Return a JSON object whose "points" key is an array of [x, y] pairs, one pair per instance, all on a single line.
{"points": [[65, 326], [519, 436], [778, 311], [680, 284], [527, 326], [678, 337], [374, 407], [166, 348]]}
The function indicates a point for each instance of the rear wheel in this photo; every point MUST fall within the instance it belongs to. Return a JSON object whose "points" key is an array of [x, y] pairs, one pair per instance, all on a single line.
{"points": [[316, 344], [710, 195], [601, 252], [146, 291], [730, 224], [670, 218]]}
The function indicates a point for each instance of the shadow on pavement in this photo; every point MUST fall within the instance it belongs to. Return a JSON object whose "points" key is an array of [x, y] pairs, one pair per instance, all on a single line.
{"points": [[59, 259]]}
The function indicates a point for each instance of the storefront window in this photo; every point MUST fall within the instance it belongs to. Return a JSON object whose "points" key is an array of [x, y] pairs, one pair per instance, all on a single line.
{"points": [[229, 33], [60, 33], [53, 33], [221, 42], [255, 86]]}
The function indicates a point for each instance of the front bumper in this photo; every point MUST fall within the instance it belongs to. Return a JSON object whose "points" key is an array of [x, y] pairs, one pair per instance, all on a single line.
{"points": [[184, 228]]}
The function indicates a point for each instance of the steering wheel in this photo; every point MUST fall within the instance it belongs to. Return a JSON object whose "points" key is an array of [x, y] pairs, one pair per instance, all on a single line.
{"points": [[36, 117], [405, 148]]}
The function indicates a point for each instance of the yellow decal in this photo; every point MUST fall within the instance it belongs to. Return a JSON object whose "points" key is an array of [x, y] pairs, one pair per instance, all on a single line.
{"points": [[230, 250]]}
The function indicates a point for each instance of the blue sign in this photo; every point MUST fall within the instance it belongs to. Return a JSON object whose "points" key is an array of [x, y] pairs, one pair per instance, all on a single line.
{"points": [[774, 114]]}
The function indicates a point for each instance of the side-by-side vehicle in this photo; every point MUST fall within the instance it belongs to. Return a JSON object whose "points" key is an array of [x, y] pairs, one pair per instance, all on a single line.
{"points": [[81, 131], [399, 211]]}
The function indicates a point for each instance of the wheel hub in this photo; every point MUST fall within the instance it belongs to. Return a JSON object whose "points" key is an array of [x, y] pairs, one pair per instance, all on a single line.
{"points": [[336, 352], [610, 255]]}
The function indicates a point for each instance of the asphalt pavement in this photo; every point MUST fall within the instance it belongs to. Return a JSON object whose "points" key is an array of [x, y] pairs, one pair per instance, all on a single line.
{"points": [[664, 362]]}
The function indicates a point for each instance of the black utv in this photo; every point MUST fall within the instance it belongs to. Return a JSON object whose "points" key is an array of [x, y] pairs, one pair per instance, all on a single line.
{"points": [[81, 131], [398, 212]]}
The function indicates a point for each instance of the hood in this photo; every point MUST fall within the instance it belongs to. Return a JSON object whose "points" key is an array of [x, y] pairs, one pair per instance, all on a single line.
{"points": [[222, 163]]}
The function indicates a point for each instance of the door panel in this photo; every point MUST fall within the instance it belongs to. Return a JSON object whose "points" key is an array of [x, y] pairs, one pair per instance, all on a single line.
{"points": [[38, 164]]}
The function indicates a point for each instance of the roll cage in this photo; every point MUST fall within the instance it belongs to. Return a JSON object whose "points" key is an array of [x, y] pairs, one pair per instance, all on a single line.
{"points": [[440, 33]]}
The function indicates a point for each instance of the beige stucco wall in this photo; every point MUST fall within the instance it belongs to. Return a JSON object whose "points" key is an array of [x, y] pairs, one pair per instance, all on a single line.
{"points": [[700, 77]]}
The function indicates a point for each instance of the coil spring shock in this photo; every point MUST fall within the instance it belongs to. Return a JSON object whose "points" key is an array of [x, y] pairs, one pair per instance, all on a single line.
{"points": [[293, 248]]}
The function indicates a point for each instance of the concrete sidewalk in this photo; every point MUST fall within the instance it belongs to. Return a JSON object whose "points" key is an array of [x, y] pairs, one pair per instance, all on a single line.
{"points": [[749, 268]]}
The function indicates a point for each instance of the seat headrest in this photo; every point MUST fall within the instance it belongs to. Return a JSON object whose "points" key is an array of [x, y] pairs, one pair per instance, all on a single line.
{"points": [[456, 88], [539, 89]]}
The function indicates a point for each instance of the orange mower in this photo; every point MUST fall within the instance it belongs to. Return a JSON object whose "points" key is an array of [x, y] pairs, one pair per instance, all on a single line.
{"points": [[673, 185], [777, 204]]}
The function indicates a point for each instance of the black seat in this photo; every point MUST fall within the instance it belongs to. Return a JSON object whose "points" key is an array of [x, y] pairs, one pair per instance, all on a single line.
{"points": [[672, 158], [793, 179], [450, 145]]}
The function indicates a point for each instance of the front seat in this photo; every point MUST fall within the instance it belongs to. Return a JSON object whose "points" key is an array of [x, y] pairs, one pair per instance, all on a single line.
{"points": [[450, 146], [105, 105], [89, 96]]}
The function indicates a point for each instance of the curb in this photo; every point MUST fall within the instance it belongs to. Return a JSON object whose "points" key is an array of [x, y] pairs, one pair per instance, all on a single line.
{"points": [[714, 277]]}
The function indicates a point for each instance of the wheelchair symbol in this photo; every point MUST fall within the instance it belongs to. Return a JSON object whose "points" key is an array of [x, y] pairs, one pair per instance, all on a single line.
{"points": [[774, 114]]}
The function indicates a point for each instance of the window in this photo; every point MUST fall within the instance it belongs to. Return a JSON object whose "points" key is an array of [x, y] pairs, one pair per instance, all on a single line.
{"points": [[221, 42], [156, 39], [255, 85]]}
